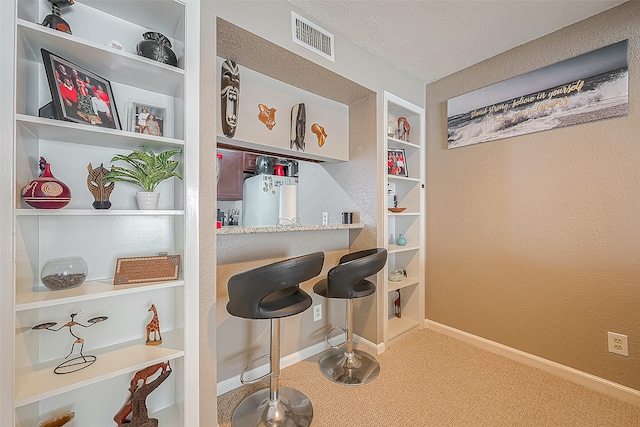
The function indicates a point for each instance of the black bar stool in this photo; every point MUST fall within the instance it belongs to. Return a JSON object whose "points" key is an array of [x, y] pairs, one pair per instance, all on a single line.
{"points": [[272, 292], [347, 280]]}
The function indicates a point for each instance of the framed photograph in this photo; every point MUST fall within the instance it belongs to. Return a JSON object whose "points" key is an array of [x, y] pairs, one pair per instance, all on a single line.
{"points": [[79, 95], [397, 162], [147, 119]]}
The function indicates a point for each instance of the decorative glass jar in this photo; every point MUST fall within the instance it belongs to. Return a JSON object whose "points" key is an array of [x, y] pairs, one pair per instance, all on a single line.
{"points": [[64, 273]]}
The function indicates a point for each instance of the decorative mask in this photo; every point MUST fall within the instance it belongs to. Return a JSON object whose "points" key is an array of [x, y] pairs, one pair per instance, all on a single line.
{"points": [[98, 186], [298, 123], [230, 94]]}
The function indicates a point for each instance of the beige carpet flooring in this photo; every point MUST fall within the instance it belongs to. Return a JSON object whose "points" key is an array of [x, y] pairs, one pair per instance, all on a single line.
{"points": [[429, 379]]}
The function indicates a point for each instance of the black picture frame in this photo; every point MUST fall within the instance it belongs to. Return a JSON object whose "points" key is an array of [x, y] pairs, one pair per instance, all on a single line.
{"points": [[397, 162], [94, 102]]}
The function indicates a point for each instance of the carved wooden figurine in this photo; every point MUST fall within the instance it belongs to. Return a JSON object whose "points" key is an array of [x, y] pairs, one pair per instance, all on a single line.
{"points": [[267, 116], [298, 124], [319, 131], [230, 97], [153, 327], [403, 129], [99, 187], [136, 404]]}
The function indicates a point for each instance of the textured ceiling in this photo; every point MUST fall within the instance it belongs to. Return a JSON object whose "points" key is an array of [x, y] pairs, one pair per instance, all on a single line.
{"points": [[433, 39]]}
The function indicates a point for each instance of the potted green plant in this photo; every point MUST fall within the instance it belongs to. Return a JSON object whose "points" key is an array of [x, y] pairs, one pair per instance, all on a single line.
{"points": [[149, 170]]}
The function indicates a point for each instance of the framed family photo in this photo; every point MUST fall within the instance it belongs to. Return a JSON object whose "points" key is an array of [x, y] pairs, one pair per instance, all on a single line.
{"points": [[79, 95], [147, 119], [397, 162]]}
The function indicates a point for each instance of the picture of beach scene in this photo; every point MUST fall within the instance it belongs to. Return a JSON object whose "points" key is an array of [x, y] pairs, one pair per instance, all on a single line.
{"points": [[586, 88]]}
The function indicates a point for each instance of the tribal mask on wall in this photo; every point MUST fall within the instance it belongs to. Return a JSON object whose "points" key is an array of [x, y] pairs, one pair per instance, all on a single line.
{"points": [[229, 95]]}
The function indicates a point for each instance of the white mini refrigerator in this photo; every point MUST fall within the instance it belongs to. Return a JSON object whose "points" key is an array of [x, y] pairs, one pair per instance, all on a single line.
{"points": [[269, 200]]}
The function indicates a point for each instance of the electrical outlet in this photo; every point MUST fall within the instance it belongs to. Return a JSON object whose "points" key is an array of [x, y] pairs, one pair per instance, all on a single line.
{"points": [[317, 312], [618, 343], [325, 218]]}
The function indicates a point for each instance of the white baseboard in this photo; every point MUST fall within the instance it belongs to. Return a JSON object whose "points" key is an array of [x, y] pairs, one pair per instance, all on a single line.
{"points": [[291, 359], [234, 382], [592, 382]]}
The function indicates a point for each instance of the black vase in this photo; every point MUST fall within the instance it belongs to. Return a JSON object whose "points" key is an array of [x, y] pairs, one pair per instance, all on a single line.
{"points": [[157, 47]]}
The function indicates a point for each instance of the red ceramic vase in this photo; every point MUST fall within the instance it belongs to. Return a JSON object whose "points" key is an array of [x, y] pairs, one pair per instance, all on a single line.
{"points": [[46, 192]]}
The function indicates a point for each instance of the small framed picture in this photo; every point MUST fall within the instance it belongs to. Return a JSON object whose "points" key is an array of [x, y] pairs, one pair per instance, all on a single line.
{"points": [[79, 95], [397, 162], [148, 119]]}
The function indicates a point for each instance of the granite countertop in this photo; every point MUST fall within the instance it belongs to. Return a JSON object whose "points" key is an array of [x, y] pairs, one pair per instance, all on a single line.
{"points": [[288, 228]]}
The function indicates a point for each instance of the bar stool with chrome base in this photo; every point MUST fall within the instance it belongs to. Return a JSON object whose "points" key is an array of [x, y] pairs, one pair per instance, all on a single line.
{"points": [[273, 292], [348, 281]]}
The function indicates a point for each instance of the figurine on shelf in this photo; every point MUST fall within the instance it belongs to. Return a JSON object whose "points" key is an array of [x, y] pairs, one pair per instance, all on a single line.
{"points": [[398, 306], [54, 20], [136, 405], [391, 126], [267, 116], [153, 327], [230, 97], [320, 133], [298, 124], [82, 361], [99, 187], [403, 129]]}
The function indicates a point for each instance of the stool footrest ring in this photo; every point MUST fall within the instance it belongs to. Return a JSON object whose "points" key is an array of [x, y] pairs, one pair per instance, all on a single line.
{"points": [[326, 337], [255, 380]]}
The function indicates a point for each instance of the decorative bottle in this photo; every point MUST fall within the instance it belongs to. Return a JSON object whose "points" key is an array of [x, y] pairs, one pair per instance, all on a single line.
{"points": [[401, 240], [46, 192], [397, 304]]}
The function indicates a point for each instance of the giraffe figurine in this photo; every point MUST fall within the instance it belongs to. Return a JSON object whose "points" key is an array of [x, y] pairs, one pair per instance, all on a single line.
{"points": [[154, 327]]}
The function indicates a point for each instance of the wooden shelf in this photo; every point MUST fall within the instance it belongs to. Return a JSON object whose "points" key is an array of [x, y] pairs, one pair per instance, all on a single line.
{"points": [[404, 283], [398, 326], [398, 143], [402, 178], [89, 290], [114, 65], [76, 133], [96, 212], [43, 382], [393, 248]]}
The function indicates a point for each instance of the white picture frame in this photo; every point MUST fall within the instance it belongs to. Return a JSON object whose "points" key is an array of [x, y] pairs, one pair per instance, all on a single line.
{"points": [[148, 119]]}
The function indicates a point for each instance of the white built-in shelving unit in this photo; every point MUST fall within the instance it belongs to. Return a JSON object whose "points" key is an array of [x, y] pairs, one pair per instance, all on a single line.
{"points": [[31, 391], [409, 193]]}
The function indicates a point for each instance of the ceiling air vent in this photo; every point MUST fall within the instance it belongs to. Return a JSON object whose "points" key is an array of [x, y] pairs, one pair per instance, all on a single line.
{"points": [[311, 36]]}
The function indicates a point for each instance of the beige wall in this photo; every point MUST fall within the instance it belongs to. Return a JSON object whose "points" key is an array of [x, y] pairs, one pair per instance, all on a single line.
{"points": [[534, 241]]}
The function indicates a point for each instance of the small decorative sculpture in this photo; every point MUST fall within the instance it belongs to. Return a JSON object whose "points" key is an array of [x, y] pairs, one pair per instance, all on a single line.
{"points": [[230, 97], [99, 187], [267, 116], [136, 405], [398, 305], [157, 47], [153, 327], [319, 131], [298, 123], [403, 129], [391, 125], [82, 361], [54, 20]]}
